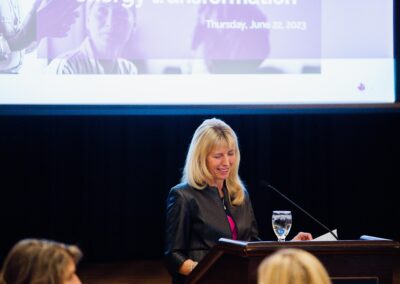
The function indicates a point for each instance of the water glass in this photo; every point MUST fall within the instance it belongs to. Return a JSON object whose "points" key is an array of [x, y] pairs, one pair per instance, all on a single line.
{"points": [[281, 224]]}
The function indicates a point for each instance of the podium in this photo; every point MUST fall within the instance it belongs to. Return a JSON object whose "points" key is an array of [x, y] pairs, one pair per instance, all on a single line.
{"points": [[347, 262]]}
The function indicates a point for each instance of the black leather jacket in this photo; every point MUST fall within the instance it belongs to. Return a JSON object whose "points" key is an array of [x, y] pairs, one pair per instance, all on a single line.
{"points": [[196, 220]]}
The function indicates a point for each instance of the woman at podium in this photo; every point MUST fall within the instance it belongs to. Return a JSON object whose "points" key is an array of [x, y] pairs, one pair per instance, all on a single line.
{"points": [[211, 201]]}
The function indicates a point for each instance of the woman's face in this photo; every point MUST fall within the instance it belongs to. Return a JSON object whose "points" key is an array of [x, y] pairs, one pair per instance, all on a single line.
{"points": [[220, 162], [70, 276]]}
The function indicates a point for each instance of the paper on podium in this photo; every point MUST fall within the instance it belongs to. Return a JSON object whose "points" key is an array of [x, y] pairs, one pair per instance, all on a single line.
{"points": [[327, 237]]}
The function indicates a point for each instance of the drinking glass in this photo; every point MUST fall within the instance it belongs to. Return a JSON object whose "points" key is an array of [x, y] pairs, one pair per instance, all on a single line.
{"points": [[281, 224]]}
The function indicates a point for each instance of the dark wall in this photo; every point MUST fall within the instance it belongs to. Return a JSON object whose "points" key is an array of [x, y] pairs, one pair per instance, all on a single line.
{"points": [[101, 181]]}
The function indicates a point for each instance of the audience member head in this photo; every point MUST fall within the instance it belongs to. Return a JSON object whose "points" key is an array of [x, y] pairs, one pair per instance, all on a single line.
{"points": [[292, 266], [33, 261], [211, 134]]}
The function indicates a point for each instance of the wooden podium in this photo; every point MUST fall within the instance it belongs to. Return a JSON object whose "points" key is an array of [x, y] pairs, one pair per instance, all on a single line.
{"points": [[366, 262]]}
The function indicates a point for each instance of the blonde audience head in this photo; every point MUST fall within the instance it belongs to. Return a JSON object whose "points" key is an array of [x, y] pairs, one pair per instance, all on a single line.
{"points": [[292, 266], [33, 261]]}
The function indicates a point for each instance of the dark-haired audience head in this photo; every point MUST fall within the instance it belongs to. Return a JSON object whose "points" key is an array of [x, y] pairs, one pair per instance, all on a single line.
{"points": [[33, 261], [292, 266]]}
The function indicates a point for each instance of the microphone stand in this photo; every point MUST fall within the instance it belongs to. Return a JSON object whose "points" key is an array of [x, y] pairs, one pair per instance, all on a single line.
{"points": [[264, 183]]}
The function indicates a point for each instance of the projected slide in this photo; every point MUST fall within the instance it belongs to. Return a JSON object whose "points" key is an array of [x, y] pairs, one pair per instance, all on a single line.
{"points": [[177, 52]]}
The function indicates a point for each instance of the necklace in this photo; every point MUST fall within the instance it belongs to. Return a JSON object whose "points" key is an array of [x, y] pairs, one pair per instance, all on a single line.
{"points": [[223, 202]]}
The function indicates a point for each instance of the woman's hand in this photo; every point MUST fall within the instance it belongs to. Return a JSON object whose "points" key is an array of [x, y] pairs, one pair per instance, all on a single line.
{"points": [[187, 267], [301, 236]]}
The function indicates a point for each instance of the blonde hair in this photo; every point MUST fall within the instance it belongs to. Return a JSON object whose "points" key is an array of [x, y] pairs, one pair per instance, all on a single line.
{"points": [[210, 134], [292, 266], [33, 261]]}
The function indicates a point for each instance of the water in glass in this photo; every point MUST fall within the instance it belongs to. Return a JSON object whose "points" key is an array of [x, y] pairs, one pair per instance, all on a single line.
{"points": [[281, 223]]}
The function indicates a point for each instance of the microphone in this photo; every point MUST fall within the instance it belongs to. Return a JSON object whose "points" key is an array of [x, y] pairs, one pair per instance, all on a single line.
{"points": [[267, 184]]}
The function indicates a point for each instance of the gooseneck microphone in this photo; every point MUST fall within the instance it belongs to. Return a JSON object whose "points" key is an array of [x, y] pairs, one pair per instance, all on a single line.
{"points": [[267, 184]]}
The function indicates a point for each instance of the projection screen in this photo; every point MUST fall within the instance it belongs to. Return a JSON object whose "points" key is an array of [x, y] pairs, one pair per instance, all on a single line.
{"points": [[196, 52]]}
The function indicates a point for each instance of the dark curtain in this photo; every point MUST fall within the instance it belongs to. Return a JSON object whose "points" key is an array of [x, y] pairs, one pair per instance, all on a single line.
{"points": [[101, 181]]}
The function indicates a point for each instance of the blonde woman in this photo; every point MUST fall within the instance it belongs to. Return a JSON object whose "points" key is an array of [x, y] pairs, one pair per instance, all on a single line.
{"points": [[211, 201], [33, 261], [292, 266]]}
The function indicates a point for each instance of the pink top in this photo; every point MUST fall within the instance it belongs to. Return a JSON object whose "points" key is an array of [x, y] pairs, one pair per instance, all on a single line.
{"points": [[232, 226]]}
